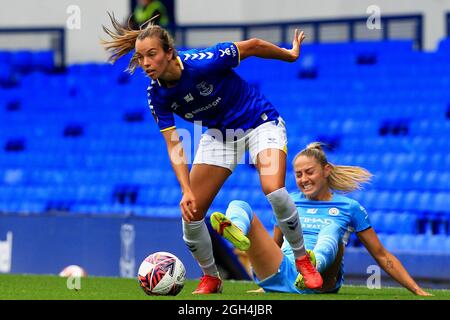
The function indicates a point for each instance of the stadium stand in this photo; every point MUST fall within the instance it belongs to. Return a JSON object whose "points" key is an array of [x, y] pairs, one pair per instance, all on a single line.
{"points": [[83, 141]]}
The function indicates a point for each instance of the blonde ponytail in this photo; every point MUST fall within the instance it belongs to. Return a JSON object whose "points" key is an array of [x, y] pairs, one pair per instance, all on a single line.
{"points": [[123, 39], [348, 178], [342, 178]]}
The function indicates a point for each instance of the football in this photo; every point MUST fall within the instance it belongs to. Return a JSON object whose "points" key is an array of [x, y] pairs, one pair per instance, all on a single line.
{"points": [[162, 273], [73, 271]]}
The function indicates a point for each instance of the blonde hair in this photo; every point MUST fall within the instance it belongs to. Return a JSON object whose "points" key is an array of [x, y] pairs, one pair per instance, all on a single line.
{"points": [[342, 178], [123, 39]]}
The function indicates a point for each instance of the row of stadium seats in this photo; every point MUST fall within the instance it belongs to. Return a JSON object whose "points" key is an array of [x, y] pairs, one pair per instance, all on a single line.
{"points": [[76, 191], [386, 223], [83, 171], [416, 244]]}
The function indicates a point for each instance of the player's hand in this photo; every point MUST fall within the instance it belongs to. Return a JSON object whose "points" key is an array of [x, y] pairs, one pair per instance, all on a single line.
{"points": [[423, 293], [296, 43], [188, 206], [259, 290]]}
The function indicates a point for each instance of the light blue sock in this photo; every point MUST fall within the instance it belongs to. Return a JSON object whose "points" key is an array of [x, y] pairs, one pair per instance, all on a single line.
{"points": [[327, 246], [241, 214]]}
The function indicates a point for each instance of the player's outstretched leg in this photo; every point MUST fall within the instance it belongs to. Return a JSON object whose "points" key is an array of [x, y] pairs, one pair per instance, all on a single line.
{"points": [[235, 225], [327, 246]]}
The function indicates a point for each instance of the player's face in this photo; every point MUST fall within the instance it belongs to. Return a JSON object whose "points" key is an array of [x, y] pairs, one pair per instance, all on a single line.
{"points": [[311, 178], [151, 57]]}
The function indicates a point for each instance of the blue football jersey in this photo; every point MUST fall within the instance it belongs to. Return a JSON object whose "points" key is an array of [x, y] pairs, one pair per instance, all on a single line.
{"points": [[347, 213], [210, 91]]}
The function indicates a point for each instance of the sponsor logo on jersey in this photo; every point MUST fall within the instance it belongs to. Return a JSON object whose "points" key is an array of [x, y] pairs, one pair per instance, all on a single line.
{"points": [[231, 51], [333, 211], [189, 97], [191, 114], [205, 89], [227, 52], [317, 220], [314, 223]]}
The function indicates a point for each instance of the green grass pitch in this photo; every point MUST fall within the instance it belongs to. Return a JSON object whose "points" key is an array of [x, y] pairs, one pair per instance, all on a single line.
{"points": [[38, 287]]}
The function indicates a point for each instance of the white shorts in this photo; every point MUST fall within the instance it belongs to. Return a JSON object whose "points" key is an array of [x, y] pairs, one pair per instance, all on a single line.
{"points": [[227, 152]]}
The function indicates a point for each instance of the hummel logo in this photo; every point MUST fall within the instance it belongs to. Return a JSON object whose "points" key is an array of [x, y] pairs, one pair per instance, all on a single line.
{"points": [[292, 225], [200, 56], [191, 247]]}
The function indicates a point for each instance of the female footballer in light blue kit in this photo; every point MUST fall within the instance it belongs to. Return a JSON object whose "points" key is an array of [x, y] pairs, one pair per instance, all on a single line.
{"points": [[327, 219], [201, 86]]}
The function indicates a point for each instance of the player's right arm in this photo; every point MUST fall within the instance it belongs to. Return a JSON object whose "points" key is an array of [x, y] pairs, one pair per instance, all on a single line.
{"points": [[180, 167], [264, 49]]}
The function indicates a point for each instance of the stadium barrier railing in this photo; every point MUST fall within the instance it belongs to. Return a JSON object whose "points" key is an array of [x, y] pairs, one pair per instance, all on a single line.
{"points": [[318, 30], [56, 41]]}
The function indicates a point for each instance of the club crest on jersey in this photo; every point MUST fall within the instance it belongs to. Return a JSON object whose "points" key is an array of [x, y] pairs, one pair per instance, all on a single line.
{"points": [[204, 88], [333, 211]]}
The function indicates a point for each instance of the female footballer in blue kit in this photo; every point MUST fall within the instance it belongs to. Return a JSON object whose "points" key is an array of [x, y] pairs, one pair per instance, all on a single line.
{"points": [[201, 86], [327, 219]]}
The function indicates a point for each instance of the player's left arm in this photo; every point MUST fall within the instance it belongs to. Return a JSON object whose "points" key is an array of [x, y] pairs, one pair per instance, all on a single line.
{"points": [[264, 49], [388, 262]]}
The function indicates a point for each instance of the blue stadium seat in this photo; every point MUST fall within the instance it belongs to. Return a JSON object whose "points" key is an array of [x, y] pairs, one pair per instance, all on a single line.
{"points": [[441, 202], [377, 222], [435, 244], [410, 200]]}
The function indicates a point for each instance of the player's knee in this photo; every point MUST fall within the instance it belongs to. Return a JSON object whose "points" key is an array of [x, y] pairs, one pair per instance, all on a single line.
{"points": [[243, 205], [271, 187]]}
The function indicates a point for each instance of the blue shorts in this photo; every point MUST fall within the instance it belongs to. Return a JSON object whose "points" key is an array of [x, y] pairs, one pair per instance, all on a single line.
{"points": [[284, 279]]}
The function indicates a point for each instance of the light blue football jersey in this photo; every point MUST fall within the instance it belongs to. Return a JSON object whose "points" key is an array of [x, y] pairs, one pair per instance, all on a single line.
{"points": [[347, 213], [210, 91]]}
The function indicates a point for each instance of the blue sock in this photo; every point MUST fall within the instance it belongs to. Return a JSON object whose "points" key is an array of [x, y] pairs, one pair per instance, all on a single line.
{"points": [[241, 214], [327, 246]]}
